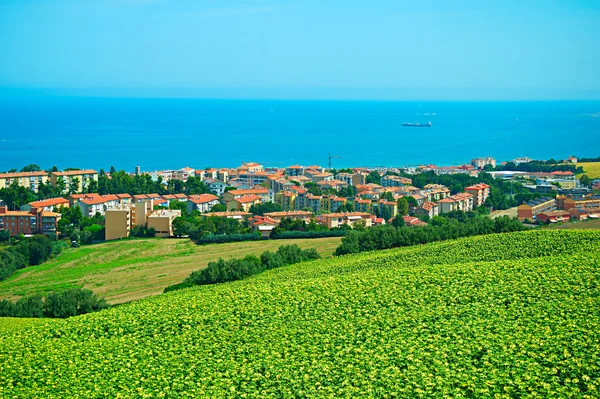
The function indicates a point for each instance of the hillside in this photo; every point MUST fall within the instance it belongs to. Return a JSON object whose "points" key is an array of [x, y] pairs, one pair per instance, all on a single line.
{"points": [[505, 316], [122, 271], [592, 169]]}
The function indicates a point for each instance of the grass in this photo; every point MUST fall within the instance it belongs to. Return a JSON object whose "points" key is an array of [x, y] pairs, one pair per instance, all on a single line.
{"points": [[121, 271], [590, 224], [592, 169], [17, 323]]}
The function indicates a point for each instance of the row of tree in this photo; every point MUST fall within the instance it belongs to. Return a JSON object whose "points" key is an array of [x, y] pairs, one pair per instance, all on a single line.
{"points": [[63, 304], [20, 252], [237, 269]]}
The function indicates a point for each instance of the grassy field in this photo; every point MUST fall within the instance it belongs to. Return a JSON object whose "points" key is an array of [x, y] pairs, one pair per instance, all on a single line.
{"points": [[496, 316], [592, 169], [8, 324], [511, 212], [590, 224], [122, 271]]}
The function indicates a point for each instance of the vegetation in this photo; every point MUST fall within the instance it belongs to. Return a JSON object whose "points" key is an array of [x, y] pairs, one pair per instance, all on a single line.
{"points": [[56, 305], [498, 316], [238, 269], [548, 166], [27, 252], [265, 207], [591, 169], [454, 225], [125, 270]]}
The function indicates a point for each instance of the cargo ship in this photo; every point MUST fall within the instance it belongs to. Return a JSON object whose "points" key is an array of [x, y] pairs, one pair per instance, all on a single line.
{"points": [[415, 124]]}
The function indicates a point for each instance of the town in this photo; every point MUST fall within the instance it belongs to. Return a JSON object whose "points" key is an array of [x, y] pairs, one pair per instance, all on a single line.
{"points": [[330, 198]]}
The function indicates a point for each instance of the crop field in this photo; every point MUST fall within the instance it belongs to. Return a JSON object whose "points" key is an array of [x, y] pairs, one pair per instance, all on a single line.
{"points": [[122, 271], [499, 316], [592, 169], [13, 323], [590, 224]]}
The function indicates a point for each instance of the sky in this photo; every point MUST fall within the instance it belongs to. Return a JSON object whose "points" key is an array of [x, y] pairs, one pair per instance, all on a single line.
{"points": [[322, 49]]}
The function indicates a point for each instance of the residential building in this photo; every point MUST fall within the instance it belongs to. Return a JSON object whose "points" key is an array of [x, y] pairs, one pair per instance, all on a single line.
{"points": [[120, 220], [521, 160], [244, 202], [48, 205], [430, 209], [30, 180], [531, 209], [554, 216], [297, 215], [262, 224], [141, 198], [251, 167], [352, 179], [314, 202], [480, 163], [78, 179], [264, 194], [363, 205], [395, 181], [334, 203], [321, 176], [388, 208], [125, 198], [577, 202], [235, 215], [33, 221], [90, 206], [411, 221], [294, 170], [216, 187], [287, 200], [252, 178], [201, 203], [335, 220], [596, 184], [458, 202], [332, 184], [480, 193]]}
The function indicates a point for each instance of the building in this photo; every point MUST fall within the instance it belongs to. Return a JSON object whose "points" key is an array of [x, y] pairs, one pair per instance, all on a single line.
{"points": [[295, 170], [251, 167], [577, 202], [100, 204], [520, 160], [531, 209], [296, 215], [332, 184], [201, 203], [430, 209], [264, 194], [313, 202], [120, 220], [352, 179], [235, 215], [388, 208], [30, 180], [554, 216], [335, 220], [243, 203], [363, 205], [481, 163], [287, 200], [252, 178], [263, 224], [321, 176], [480, 193], [411, 221], [78, 179], [458, 202], [395, 181], [48, 205], [34, 221]]}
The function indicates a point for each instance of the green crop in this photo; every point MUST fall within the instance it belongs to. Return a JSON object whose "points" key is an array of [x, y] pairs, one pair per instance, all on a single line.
{"points": [[501, 316]]}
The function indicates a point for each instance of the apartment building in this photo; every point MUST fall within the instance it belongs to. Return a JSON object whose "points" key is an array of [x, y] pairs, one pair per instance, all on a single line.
{"points": [[296, 215], [314, 202], [430, 209], [531, 209], [287, 200], [295, 170], [554, 216], [389, 207], [352, 179], [332, 184], [263, 193], [34, 221], [202, 203], [480, 193], [577, 202], [334, 203], [48, 205], [30, 180], [235, 215], [98, 204], [83, 178], [321, 176], [120, 220], [243, 203], [435, 192], [480, 163], [458, 202], [252, 178], [263, 224], [395, 181], [335, 220], [251, 167]]}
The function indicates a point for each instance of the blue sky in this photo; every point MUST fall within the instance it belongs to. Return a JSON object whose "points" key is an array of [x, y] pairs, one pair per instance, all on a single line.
{"points": [[348, 49]]}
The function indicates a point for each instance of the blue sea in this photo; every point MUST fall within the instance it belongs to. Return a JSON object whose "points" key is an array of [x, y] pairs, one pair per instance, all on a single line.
{"points": [[173, 133]]}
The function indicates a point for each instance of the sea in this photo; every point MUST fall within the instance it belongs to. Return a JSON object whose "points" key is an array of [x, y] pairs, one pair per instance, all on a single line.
{"points": [[158, 134]]}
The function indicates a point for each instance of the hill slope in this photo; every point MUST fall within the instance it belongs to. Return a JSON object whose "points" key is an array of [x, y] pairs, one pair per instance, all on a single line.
{"points": [[493, 316], [122, 271]]}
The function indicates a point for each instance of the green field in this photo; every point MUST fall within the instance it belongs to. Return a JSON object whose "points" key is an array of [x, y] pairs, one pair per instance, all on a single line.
{"points": [[13, 323], [499, 316], [592, 169], [590, 224], [122, 271]]}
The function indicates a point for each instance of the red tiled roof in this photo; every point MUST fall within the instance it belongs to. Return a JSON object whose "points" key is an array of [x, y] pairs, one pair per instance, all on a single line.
{"points": [[22, 174], [49, 202], [251, 191], [76, 172], [248, 198], [202, 198]]}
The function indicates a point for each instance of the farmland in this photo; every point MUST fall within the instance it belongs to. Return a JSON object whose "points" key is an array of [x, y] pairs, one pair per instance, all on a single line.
{"points": [[121, 271], [592, 169], [504, 316]]}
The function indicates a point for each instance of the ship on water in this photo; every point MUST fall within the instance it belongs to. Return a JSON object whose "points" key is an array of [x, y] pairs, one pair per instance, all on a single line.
{"points": [[415, 124]]}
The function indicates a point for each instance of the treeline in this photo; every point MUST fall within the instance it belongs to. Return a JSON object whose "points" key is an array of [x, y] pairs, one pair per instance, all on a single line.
{"points": [[64, 304], [597, 159], [548, 166], [282, 235], [27, 252], [237, 269], [198, 227], [223, 238], [441, 228]]}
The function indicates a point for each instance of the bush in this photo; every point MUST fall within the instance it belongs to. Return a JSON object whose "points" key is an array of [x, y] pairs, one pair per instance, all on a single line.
{"points": [[309, 234], [56, 305], [219, 239], [237, 269]]}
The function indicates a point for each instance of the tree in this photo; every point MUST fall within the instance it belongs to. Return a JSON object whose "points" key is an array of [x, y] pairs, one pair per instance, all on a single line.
{"points": [[387, 195], [398, 221], [374, 177], [32, 167], [266, 207], [403, 206], [14, 196], [218, 208], [412, 201], [585, 180]]}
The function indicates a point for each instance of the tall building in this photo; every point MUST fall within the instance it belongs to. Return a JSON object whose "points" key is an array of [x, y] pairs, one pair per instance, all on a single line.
{"points": [[30, 180], [34, 221], [480, 163], [80, 178]]}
